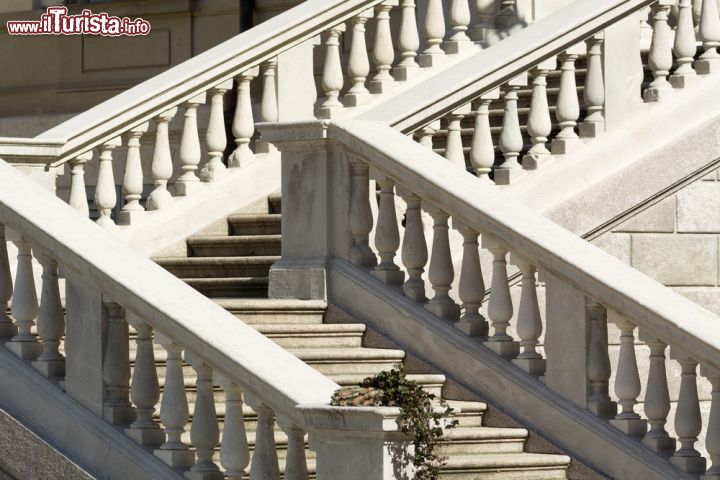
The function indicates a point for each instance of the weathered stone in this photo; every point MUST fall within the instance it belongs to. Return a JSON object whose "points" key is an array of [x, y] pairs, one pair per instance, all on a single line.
{"points": [[676, 259], [658, 218], [697, 208]]}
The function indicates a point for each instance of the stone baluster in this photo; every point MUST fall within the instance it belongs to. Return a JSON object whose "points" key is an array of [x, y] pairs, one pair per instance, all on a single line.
{"points": [[472, 285], [116, 367], [454, 150], [485, 22], [295, 462], [598, 366], [51, 321], [414, 249], [7, 329], [204, 430], [688, 422], [500, 307], [660, 58], [190, 153], [105, 194], [539, 123], [425, 134], [507, 16], [627, 383], [215, 136], [441, 272], [434, 25], [684, 47], [144, 388], [361, 220], [408, 42], [568, 107], [712, 439], [696, 12], [174, 412], [482, 151], [243, 126], [387, 236], [511, 139], [268, 101], [133, 184], [594, 93], [359, 63], [459, 20], [24, 308], [529, 322], [264, 464], [78, 195], [709, 61], [657, 401], [234, 452], [383, 52], [162, 165], [332, 76]]}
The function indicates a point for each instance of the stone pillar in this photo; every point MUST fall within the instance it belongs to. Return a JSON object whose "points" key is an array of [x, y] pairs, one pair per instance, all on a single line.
{"points": [[622, 70]]}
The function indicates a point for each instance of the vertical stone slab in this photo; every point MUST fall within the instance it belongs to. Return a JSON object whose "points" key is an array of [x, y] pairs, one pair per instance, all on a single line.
{"points": [[295, 79]]}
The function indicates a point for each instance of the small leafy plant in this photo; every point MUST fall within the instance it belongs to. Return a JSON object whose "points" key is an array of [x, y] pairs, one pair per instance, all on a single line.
{"points": [[417, 418]]}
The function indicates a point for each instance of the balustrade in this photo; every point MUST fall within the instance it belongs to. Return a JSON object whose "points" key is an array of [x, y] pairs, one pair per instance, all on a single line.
{"points": [[684, 47], [627, 383], [459, 21], [529, 322], [144, 388], [472, 285], [408, 42], [51, 321], [215, 136], [264, 464], [332, 76], [387, 235], [454, 151], [105, 194], [162, 165], [7, 329], [24, 308], [116, 367], [234, 451], [688, 421], [414, 249], [434, 24], [568, 106], [359, 63], [539, 123], [482, 151], [657, 401], [383, 51], [243, 125], [500, 307], [441, 272], [709, 32], [190, 153], [78, 195], [204, 431], [511, 139], [132, 185]]}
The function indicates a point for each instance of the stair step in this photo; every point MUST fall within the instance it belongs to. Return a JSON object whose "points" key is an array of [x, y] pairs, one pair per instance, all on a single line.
{"points": [[314, 335], [512, 466], [234, 246], [245, 287], [468, 414], [254, 224], [431, 383], [339, 361], [217, 267], [274, 311], [481, 440]]}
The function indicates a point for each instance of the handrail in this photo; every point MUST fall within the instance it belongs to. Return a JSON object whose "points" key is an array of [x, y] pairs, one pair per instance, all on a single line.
{"points": [[198, 74], [181, 313], [493, 67], [669, 316]]}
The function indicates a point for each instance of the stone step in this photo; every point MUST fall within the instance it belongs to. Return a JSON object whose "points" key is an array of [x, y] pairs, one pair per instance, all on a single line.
{"points": [[275, 203], [234, 245], [314, 335], [482, 440], [468, 414], [254, 224], [508, 466], [241, 287], [274, 311], [217, 267]]}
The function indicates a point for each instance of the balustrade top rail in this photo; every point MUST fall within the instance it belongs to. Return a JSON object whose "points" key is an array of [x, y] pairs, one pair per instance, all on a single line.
{"points": [[190, 78], [493, 67], [231, 347], [671, 317]]}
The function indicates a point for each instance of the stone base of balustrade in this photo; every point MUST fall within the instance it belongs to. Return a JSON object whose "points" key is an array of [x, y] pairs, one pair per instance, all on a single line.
{"points": [[653, 94], [351, 100], [453, 47], [262, 146], [329, 112], [119, 415], [504, 348], [506, 176], [683, 81], [591, 129], [176, 458], [25, 350], [205, 475], [7, 330], [535, 161], [447, 310], [389, 277], [187, 188], [706, 66], [131, 217], [473, 328], [561, 146], [634, 427], [603, 409], [50, 368], [381, 86], [147, 437], [532, 366], [696, 464], [664, 445], [430, 60], [405, 73]]}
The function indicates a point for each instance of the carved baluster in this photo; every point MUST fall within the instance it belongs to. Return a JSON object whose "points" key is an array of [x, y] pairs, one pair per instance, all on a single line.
{"points": [[190, 153], [264, 464], [454, 150], [295, 463], [174, 412], [712, 439], [204, 431], [414, 249], [484, 26], [425, 134], [78, 195], [7, 329], [598, 369], [472, 285], [627, 383], [660, 58], [234, 452], [594, 124], [24, 307], [434, 24], [332, 76], [482, 151], [688, 422], [657, 401], [408, 42], [105, 194], [539, 124], [162, 165], [459, 21], [500, 307], [709, 61], [511, 139], [568, 108], [441, 271], [383, 53], [387, 236], [359, 63], [529, 323], [144, 388], [696, 12], [361, 220], [132, 211], [116, 367], [685, 47], [507, 16], [215, 136], [51, 321], [243, 126], [268, 102]]}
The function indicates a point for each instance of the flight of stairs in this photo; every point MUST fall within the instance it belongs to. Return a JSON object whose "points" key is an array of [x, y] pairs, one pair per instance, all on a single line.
{"points": [[232, 269]]}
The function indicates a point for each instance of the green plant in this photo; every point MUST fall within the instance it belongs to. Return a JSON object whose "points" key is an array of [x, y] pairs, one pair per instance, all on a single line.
{"points": [[418, 416]]}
